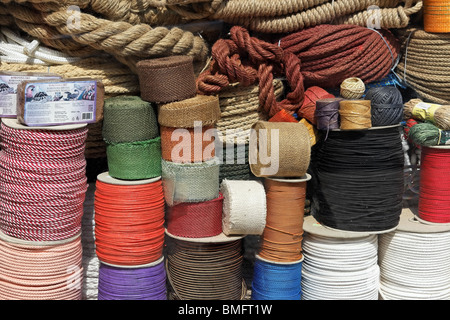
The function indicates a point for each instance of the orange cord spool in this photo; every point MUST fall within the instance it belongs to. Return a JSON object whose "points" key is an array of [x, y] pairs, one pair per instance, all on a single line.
{"points": [[129, 223], [436, 16], [283, 116], [283, 234], [175, 141]]}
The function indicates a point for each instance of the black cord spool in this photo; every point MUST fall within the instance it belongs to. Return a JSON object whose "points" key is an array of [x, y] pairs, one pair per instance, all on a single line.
{"points": [[358, 180]]}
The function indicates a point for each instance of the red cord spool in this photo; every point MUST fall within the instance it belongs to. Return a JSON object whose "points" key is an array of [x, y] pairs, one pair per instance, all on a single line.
{"points": [[434, 195], [129, 221], [196, 220], [308, 108]]}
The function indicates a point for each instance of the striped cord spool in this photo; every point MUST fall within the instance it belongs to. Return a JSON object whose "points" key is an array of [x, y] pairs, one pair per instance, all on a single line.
{"points": [[205, 269], [234, 158], [415, 260], [244, 207], [339, 265], [44, 270], [436, 16], [43, 181], [147, 282], [129, 220], [195, 220]]}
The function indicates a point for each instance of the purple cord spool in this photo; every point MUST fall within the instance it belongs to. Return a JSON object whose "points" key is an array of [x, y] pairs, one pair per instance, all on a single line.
{"points": [[327, 113], [140, 283]]}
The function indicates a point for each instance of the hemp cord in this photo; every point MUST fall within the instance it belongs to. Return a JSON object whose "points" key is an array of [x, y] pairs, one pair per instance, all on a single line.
{"points": [[205, 271], [273, 281], [386, 105], [282, 237], [432, 112], [414, 266], [308, 108], [40, 271], [43, 183], [134, 160], [434, 199], [427, 134], [128, 119], [187, 144], [166, 79], [195, 220], [244, 207], [140, 283], [289, 142], [190, 182], [129, 223], [358, 180], [355, 114], [327, 113], [340, 268], [352, 88], [436, 16]]}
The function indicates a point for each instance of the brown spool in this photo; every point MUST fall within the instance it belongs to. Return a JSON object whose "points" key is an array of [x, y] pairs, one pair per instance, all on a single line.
{"points": [[355, 114], [166, 79]]}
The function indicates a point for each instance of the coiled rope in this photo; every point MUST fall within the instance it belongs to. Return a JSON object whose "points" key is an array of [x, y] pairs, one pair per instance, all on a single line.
{"points": [[40, 270], [129, 221], [43, 181]]}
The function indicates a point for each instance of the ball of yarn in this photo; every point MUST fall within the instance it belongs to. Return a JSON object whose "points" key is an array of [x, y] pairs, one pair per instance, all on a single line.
{"points": [[387, 105], [352, 88], [424, 134]]}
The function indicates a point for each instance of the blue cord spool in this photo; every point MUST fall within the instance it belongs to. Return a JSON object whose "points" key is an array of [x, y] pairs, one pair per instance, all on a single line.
{"points": [[276, 281]]}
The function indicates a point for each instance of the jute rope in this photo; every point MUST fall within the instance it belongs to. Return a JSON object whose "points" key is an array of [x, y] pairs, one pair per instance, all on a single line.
{"points": [[424, 64]]}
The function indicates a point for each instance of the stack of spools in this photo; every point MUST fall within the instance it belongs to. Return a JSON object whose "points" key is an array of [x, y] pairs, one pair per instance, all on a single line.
{"points": [[43, 185], [129, 204], [280, 154]]}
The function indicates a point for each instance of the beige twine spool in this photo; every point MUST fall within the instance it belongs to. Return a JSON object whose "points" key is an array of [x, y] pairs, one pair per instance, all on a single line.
{"points": [[352, 88]]}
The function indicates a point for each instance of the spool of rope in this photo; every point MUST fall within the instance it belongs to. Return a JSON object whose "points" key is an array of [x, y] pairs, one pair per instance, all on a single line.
{"points": [[327, 113], [234, 164], [134, 160], [427, 134], [282, 237], [186, 113], [129, 220], [434, 200], [190, 182], [339, 265], [187, 144], [352, 88], [422, 67], [355, 114], [244, 207], [199, 270], [128, 119], [138, 283], [359, 181], [288, 142], [436, 16], [308, 108], [386, 105], [437, 114], [195, 220], [414, 261], [44, 270], [167, 79], [43, 180], [276, 281]]}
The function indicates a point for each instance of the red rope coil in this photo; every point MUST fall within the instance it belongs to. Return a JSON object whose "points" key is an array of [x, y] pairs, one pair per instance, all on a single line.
{"points": [[129, 223], [42, 183]]}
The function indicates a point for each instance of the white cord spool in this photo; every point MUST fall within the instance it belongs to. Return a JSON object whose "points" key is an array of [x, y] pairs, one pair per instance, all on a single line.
{"points": [[339, 265], [415, 261], [244, 207]]}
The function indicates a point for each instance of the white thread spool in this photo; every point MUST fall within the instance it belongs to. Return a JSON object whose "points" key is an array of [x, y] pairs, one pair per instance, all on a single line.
{"points": [[244, 207]]}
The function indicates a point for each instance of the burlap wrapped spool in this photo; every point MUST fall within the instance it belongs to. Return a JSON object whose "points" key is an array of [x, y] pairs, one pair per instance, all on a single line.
{"points": [[167, 79], [286, 144]]}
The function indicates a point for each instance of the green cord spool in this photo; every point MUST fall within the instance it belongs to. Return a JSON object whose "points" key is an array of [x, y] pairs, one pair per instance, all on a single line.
{"points": [[128, 119], [134, 160], [427, 134]]}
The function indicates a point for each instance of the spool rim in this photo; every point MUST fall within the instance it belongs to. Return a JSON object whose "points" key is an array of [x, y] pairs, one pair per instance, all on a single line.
{"points": [[15, 124], [106, 178]]}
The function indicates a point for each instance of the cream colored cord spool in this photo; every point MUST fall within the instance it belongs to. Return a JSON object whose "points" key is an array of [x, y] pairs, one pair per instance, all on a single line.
{"points": [[352, 88], [244, 207]]}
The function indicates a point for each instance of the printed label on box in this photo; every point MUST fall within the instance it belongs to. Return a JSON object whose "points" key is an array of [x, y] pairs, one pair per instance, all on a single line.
{"points": [[59, 103], [8, 92]]}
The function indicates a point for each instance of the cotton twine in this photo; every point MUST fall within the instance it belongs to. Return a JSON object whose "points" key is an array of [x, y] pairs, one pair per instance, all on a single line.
{"points": [[308, 108], [286, 145], [427, 134], [355, 114], [244, 207], [352, 88]]}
